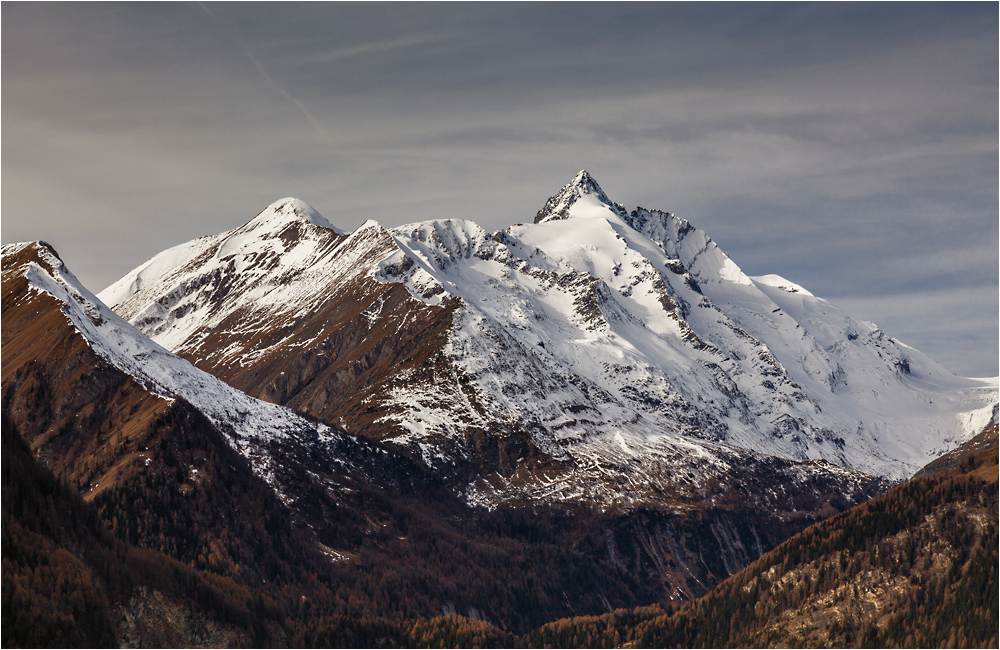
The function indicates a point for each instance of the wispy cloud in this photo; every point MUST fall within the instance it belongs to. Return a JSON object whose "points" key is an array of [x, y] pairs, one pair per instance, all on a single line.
{"points": [[298, 104], [850, 148], [270, 80], [376, 47]]}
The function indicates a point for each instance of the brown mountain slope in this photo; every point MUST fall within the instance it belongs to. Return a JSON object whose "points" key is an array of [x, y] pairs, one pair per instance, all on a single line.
{"points": [[156, 469], [79, 414], [69, 582], [396, 541], [161, 488], [954, 458], [915, 567]]}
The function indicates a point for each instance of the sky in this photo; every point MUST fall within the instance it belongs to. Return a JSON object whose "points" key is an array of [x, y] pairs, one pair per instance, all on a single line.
{"points": [[851, 148]]}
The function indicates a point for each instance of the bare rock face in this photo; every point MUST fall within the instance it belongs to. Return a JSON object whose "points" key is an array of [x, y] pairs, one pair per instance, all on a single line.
{"points": [[149, 619]]}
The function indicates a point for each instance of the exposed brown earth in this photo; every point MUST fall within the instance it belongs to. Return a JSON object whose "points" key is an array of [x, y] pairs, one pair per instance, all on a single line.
{"points": [[337, 362], [82, 418]]}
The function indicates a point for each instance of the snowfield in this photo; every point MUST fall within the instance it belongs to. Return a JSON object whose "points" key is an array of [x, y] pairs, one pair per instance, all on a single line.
{"points": [[626, 345], [641, 321]]}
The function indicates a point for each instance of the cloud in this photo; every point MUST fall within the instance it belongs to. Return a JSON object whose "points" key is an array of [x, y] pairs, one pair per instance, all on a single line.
{"points": [[850, 148], [376, 47], [269, 80]]}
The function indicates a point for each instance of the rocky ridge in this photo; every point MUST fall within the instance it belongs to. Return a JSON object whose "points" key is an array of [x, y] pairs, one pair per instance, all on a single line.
{"points": [[551, 358]]}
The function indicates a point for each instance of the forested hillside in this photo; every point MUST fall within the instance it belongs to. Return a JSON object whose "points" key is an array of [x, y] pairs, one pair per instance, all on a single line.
{"points": [[915, 567], [68, 582]]}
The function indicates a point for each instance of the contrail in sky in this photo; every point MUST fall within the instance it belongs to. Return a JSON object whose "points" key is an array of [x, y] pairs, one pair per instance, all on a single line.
{"points": [[271, 82]]}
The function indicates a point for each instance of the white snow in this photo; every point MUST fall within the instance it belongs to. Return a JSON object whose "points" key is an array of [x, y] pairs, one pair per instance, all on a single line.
{"points": [[246, 422], [182, 294], [628, 343], [779, 371]]}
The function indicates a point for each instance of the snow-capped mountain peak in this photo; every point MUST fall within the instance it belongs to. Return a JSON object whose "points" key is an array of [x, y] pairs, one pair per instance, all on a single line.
{"points": [[289, 209], [592, 322], [583, 186]]}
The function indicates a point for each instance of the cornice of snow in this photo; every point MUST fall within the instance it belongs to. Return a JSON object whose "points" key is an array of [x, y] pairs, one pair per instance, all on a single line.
{"points": [[778, 282]]}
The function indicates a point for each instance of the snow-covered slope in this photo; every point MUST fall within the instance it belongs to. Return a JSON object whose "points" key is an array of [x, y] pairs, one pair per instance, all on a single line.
{"points": [[657, 322], [250, 425], [624, 346], [255, 262]]}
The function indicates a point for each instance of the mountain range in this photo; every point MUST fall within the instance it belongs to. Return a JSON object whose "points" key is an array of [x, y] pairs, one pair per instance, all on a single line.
{"points": [[289, 396]]}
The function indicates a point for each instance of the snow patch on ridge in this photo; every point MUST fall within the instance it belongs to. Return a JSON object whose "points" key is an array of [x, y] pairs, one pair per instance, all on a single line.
{"points": [[779, 282], [247, 423]]}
